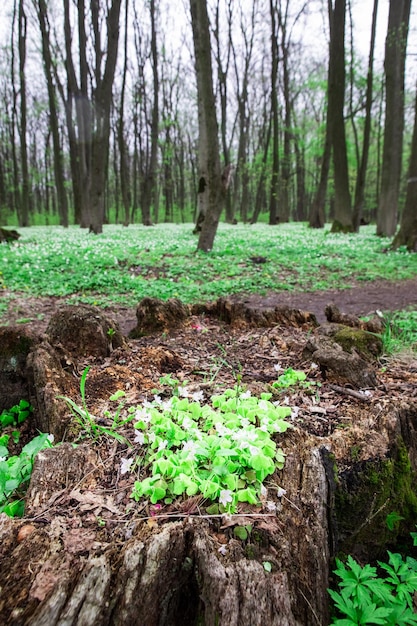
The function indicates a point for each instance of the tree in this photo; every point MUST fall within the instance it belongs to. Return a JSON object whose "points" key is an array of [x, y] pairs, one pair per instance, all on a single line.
{"points": [[363, 165], [92, 97], [22, 37], [337, 74], [150, 191], [407, 235], [53, 114], [210, 185], [274, 189], [395, 53]]}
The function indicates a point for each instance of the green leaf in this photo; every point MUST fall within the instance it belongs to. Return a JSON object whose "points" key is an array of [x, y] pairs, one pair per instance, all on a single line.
{"points": [[240, 532], [392, 520]]}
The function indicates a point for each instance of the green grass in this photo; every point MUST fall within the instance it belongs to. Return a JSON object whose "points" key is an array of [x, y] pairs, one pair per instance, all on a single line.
{"points": [[125, 264]]}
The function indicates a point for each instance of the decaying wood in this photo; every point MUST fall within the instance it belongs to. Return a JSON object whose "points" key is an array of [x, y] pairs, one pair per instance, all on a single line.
{"points": [[87, 554], [239, 314], [84, 330], [15, 345], [347, 366], [155, 315], [8, 235]]}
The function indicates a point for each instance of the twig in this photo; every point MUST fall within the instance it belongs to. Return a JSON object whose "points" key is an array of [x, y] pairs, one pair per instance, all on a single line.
{"points": [[350, 392]]}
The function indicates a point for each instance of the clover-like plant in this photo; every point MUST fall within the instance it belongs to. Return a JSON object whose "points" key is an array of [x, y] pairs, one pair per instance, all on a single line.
{"points": [[222, 450]]}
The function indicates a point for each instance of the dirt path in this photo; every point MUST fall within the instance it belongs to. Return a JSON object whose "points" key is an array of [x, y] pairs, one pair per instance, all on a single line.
{"points": [[359, 300]]}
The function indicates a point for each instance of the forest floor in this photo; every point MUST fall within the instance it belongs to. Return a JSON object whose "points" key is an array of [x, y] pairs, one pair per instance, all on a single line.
{"points": [[208, 355], [363, 299]]}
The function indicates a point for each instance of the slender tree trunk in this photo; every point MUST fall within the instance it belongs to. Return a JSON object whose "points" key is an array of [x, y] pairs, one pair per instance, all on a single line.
{"points": [[274, 189], [103, 101], [407, 235], [123, 149], [395, 53], [53, 114], [150, 190], [210, 187], [25, 195], [343, 209], [361, 181]]}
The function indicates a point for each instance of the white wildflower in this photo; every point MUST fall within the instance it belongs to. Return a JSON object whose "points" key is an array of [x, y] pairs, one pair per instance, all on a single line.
{"points": [[139, 437], [198, 396], [314, 366], [151, 437], [191, 448], [225, 497], [222, 430], [245, 422], [50, 438], [187, 423], [263, 405], [162, 445], [245, 395], [183, 392], [157, 400], [143, 415], [264, 491], [125, 466], [271, 506], [222, 550], [294, 412], [2, 458], [278, 367], [281, 492], [167, 404]]}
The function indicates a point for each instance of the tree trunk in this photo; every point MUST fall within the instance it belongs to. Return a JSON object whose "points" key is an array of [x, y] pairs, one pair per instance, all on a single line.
{"points": [[25, 194], [407, 235], [53, 115], [343, 208], [274, 188], [361, 181], [211, 189], [150, 183], [395, 54], [103, 101]]}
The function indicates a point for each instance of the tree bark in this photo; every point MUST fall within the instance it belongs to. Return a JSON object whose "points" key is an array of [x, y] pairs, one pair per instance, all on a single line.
{"points": [[150, 183], [53, 114], [211, 190], [395, 54], [407, 235], [342, 209], [361, 181]]}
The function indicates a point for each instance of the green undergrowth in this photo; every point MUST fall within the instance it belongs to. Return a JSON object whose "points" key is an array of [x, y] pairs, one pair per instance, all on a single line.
{"points": [[125, 264], [381, 594], [16, 470], [180, 444], [400, 332]]}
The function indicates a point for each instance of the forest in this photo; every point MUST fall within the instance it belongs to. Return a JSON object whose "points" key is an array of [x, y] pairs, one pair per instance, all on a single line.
{"points": [[223, 439], [103, 114]]}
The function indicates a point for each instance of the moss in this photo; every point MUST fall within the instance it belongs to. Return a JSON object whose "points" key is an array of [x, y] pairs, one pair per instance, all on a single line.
{"points": [[366, 344], [366, 494]]}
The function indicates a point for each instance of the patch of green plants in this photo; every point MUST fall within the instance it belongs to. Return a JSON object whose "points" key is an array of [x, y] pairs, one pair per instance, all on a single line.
{"points": [[132, 263], [371, 595], [293, 378], [16, 415], [15, 471], [222, 450], [400, 332]]}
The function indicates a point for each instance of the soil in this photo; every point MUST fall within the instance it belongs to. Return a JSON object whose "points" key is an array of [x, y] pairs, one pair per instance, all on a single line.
{"points": [[358, 300]]}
